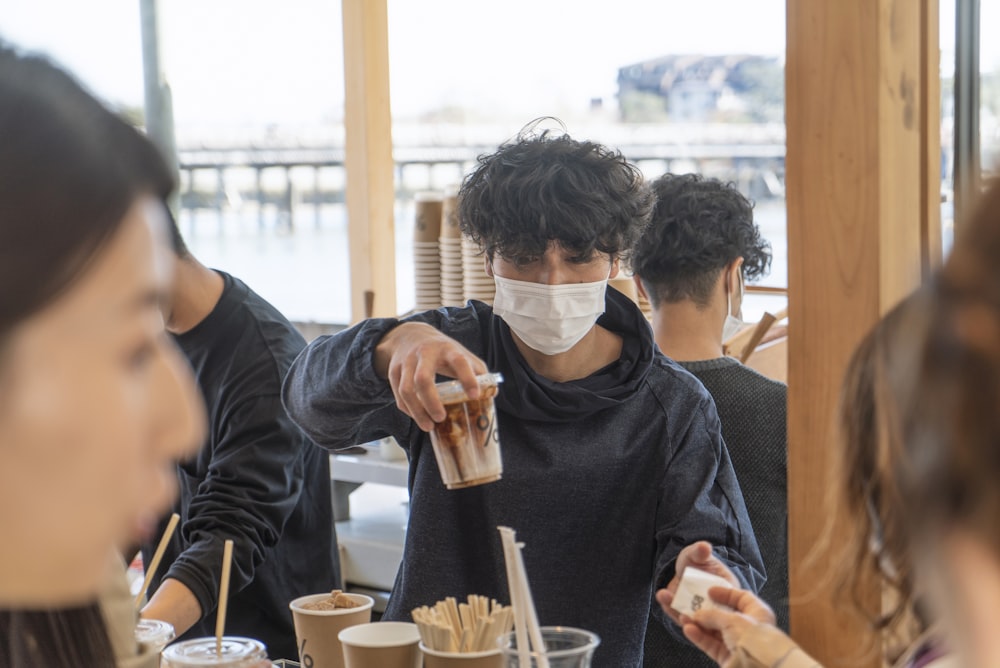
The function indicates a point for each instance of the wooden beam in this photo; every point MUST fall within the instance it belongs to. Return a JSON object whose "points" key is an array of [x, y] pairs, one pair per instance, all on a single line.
{"points": [[859, 143], [931, 246], [368, 157]]}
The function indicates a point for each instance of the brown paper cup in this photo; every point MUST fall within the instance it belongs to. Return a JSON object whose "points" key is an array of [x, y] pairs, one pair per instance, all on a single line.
{"points": [[316, 630], [449, 215], [382, 644], [435, 659], [427, 223]]}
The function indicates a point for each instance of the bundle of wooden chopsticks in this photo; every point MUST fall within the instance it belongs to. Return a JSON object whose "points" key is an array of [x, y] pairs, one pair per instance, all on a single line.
{"points": [[466, 627]]}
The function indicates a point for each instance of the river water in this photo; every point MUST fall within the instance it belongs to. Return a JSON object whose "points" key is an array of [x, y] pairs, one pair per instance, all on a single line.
{"points": [[303, 270]]}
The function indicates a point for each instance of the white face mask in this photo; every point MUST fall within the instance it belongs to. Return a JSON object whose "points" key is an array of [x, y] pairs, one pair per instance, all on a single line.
{"points": [[549, 318], [732, 324]]}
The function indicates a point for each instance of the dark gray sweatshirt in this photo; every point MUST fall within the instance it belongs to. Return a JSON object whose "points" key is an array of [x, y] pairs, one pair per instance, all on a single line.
{"points": [[605, 479]]}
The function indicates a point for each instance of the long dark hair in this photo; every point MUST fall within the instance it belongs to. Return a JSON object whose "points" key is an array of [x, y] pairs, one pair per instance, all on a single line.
{"points": [[64, 637], [878, 383], [69, 172], [953, 426]]}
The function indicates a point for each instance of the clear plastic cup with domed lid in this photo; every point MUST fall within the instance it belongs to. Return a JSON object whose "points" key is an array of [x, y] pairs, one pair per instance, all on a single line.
{"points": [[152, 635], [467, 442], [234, 652]]}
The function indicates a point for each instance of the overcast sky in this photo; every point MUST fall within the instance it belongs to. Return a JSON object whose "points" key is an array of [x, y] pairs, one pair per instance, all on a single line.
{"points": [[262, 61]]}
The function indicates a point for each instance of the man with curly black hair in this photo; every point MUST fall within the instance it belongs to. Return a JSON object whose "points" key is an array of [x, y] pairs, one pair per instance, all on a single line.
{"points": [[613, 461], [691, 263]]}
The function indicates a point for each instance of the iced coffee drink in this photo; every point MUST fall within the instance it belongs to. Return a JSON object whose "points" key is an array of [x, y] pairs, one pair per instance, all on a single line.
{"points": [[467, 443]]}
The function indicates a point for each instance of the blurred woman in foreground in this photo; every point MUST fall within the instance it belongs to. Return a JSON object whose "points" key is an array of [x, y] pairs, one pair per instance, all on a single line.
{"points": [[95, 404], [951, 479]]}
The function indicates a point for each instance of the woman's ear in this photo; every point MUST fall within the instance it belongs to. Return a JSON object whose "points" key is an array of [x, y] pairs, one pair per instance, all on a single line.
{"points": [[488, 265], [615, 267]]}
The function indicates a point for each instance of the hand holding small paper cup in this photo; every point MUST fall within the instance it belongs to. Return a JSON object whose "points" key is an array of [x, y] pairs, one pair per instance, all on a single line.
{"points": [[318, 621]]}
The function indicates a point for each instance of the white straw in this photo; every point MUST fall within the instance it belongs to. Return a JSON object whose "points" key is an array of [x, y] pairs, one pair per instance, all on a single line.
{"points": [[520, 632], [534, 631], [525, 617]]}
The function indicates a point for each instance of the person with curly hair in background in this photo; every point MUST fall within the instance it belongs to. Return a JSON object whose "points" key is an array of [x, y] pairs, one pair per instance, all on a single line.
{"points": [[613, 456], [691, 264]]}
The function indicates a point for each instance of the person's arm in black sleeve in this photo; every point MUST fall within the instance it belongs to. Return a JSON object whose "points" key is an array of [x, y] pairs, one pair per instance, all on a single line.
{"points": [[338, 395], [700, 500], [252, 486]]}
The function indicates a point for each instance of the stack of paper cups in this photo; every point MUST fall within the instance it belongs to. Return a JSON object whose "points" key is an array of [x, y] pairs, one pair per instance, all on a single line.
{"points": [[452, 287], [426, 250], [477, 284]]}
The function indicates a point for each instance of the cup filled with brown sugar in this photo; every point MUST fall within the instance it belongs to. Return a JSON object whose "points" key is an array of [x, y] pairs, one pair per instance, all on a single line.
{"points": [[318, 618]]}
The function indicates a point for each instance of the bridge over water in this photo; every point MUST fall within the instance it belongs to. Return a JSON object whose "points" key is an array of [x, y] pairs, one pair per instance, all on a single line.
{"points": [[289, 174]]}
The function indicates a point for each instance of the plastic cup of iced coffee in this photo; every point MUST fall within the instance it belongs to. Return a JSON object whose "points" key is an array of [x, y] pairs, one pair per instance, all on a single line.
{"points": [[467, 443]]}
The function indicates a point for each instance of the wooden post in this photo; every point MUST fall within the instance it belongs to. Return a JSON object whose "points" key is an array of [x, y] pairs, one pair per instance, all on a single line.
{"points": [[862, 132], [368, 157]]}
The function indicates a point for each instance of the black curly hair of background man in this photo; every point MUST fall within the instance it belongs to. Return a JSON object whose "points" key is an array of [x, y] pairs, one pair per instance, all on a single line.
{"points": [[699, 225]]}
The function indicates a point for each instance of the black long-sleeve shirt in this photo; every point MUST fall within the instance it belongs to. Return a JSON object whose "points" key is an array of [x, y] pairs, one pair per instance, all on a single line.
{"points": [[258, 479]]}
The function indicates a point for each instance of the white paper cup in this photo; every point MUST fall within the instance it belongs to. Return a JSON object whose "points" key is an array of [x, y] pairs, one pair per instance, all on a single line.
{"points": [[382, 644]]}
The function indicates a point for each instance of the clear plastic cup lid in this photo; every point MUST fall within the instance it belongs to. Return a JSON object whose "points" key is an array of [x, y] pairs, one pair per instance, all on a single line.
{"points": [[153, 632], [451, 391], [201, 651]]}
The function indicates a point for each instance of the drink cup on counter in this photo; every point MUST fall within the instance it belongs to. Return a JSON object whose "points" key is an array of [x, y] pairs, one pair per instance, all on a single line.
{"points": [[382, 644], [236, 652], [316, 629], [466, 443], [152, 635], [437, 659], [565, 647]]}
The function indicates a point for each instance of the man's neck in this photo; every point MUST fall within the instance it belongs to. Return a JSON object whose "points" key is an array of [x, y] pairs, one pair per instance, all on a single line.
{"points": [[197, 290], [594, 351], [686, 333]]}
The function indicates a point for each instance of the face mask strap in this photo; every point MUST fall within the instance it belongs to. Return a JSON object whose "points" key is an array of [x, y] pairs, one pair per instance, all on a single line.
{"points": [[729, 294]]}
